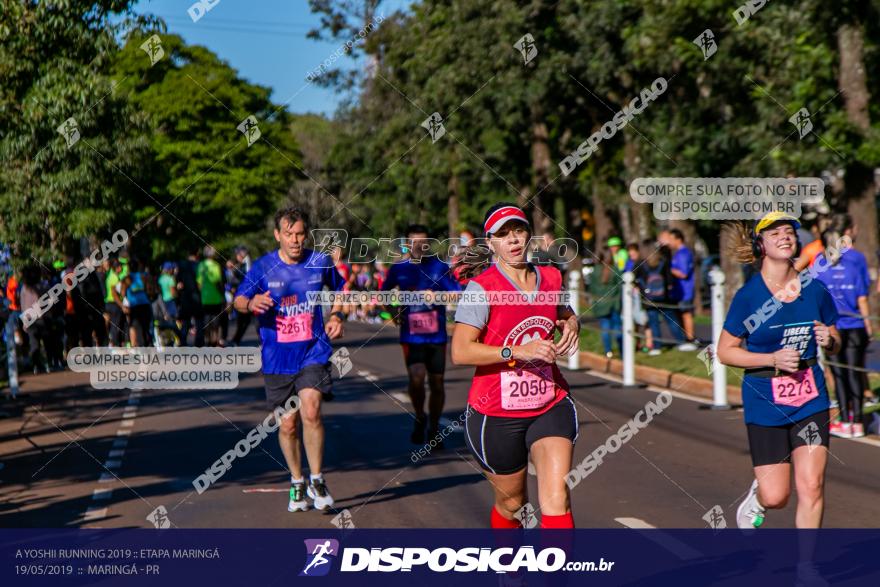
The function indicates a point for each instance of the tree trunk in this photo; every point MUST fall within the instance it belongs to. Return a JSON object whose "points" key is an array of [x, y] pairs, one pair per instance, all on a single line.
{"points": [[452, 200], [602, 220], [630, 215], [523, 198], [860, 190], [626, 225], [641, 221], [543, 210]]}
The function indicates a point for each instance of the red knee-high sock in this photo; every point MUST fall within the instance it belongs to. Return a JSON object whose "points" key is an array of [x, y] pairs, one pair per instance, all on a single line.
{"points": [[499, 522], [564, 521]]}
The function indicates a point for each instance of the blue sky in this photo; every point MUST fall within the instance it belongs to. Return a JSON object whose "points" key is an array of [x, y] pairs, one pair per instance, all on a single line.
{"points": [[265, 40]]}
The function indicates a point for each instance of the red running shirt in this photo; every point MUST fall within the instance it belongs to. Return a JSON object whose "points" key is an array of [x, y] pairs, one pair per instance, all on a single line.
{"points": [[524, 390]]}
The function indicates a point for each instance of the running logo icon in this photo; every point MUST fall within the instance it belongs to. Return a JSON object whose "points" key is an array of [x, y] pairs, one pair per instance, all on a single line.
{"points": [[706, 43], [526, 516], [250, 130], [715, 518], [811, 436], [526, 46], [70, 131], [343, 520], [319, 554], [434, 124], [327, 239], [153, 48], [341, 358], [801, 120], [707, 355], [159, 518]]}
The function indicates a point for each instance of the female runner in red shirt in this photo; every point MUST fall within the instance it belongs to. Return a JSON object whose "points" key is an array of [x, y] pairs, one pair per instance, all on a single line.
{"points": [[518, 403]]}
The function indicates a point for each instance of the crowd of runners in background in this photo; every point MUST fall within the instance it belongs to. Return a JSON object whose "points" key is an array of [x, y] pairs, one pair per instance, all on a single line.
{"points": [[125, 303]]}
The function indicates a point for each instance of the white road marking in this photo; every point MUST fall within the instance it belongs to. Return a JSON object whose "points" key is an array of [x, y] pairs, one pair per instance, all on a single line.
{"points": [[363, 373], [114, 458], [401, 397], [371, 378], [634, 523], [673, 545], [99, 494], [94, 513]]}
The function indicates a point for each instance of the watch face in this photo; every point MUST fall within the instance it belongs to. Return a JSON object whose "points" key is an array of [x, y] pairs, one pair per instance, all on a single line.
{"points": [[505, 353]]}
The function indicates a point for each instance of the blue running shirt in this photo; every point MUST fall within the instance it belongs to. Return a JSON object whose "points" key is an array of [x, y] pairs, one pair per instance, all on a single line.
{"points": [[846, 281], [422, 324], [292, 331], [790, 325]]}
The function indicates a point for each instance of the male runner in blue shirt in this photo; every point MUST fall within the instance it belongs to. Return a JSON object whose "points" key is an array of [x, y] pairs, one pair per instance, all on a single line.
{"points": [[295, 345]]}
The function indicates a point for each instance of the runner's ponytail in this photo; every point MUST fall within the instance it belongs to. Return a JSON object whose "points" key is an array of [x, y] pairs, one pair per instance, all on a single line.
{"points": [[741, 244]]}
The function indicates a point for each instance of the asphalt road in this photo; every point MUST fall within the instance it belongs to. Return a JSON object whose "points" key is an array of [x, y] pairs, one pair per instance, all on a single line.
{"points": [[75, 456]]}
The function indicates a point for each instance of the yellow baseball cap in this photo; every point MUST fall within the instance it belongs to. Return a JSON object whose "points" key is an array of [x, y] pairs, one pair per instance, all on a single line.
{"points": [[774, 217]]}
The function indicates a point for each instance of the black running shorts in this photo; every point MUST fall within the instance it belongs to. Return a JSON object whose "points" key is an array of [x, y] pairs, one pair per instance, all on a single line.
{"points": [[279, 387], [771, 445], [501, 445], [433, 356]]}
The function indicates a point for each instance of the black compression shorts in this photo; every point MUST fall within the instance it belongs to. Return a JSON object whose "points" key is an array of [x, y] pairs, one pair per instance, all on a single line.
{"points": [[771, 445], [279, 387], [501, 445], [433, 356]]}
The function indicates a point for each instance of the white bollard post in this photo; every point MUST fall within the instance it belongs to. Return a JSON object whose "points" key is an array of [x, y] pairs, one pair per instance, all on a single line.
{"points": [[11, 359], [629, 341], [574, 292], [719, 372]]}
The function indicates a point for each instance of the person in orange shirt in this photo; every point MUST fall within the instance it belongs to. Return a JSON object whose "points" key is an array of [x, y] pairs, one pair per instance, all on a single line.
{"points": [[12, 293], [14, 304], [812, 247]]}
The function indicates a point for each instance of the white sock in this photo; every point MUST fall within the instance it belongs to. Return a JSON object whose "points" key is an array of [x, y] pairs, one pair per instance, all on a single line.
{"points": [[318, 477], [294, 480]]}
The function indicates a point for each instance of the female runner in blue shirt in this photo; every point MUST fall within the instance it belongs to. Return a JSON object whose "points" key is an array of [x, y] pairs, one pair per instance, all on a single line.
{"points": [[783, 318]]}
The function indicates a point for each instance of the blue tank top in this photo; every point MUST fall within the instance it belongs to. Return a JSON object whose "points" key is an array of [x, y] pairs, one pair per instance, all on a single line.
{"points": [[136, 294]]}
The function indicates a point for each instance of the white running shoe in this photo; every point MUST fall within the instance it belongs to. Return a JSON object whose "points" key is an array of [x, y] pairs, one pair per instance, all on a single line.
{"points": [[655, 353], [317, 490], [297, 498], [750, 514], [686, 347]]}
